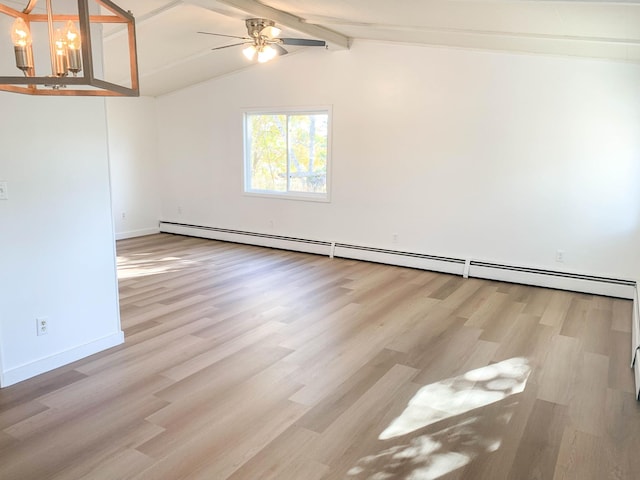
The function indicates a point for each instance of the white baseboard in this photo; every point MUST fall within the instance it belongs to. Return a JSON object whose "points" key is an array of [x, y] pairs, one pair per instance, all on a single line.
{"points": [[137, 233], [574, 282], [46, 364]]}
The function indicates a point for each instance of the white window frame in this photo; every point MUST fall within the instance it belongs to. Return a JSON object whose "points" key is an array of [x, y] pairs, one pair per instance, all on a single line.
{"points": [[246, 174]]}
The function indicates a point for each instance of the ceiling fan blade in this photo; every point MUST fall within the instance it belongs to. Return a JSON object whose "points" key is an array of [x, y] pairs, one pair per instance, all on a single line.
{"points": [[232, 45], [223, 35], [303, 42], [280, 49]]}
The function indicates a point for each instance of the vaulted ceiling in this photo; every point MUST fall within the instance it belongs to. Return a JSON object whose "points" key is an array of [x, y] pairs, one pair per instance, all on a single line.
{"points": [[173, 55]]}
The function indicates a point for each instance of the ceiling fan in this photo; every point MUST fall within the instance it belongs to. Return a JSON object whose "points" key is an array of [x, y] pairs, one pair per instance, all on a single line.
{"points": [[263, 41]]}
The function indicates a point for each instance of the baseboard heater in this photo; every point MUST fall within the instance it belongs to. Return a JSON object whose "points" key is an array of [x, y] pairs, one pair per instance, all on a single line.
{"points": [[457, 266], [250, 238], [400, 258], [575, 282]]}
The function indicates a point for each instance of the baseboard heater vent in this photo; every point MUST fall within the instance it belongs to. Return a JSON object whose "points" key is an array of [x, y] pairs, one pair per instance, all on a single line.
{"points": [[465, 267], [250, 238], [577, 282], [400, 258]]}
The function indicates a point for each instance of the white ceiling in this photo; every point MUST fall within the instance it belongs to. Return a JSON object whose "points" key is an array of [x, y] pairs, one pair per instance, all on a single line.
{"points": [[173, 55]]}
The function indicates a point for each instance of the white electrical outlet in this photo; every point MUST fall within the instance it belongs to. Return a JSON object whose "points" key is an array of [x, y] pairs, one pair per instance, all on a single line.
{"points": [[560, 256], [4, 193], [42, 325], [394, 237]]}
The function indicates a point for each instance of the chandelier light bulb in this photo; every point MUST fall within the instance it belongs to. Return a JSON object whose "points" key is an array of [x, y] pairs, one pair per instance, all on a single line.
{"points": [[73, 43], [21, 38], [60, 63], [20, 33], [60, 42], [72, 36]]}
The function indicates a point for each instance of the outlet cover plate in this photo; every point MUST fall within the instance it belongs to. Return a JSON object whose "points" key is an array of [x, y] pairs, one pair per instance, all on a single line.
{"points": [[42, 325]]}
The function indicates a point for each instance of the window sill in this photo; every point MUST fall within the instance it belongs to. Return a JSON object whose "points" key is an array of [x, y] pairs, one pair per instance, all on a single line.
{"points": [[311, 197]]}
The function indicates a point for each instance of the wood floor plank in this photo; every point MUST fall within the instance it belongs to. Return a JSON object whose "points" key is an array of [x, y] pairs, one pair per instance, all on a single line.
{"points": [[334, 405], [83, 437], [586, 406], [536, 302], [288, 456], [621, 312], [238, 450], [595, 336], [538, 450], [459, 296], [575, 319], [557, 309], [123, 463], [557, 385], [247, 363], [14, 415], [339, 437], [486, 310], [504, 422], [495, 328], [582, 456], [472, 304], [445, 361], [39, 386], [620, 375], [525, 337]]}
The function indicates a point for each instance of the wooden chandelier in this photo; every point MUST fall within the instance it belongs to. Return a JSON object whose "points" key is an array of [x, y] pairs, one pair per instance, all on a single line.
{"points": [[70, 50]]}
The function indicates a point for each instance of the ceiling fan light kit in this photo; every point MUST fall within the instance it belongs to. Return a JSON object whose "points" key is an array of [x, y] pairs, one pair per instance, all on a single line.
{"points": [[263, 42], [70, 40], [262, 54]]}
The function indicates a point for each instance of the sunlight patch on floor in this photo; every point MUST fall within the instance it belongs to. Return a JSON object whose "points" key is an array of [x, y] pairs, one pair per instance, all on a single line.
{"points": [[461, 394], [432, 454], [129, 267]]}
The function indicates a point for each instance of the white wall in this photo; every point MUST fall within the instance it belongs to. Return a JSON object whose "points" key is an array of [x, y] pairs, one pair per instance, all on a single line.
{"points": [[56, 241], [133, 152], [491, 156]]}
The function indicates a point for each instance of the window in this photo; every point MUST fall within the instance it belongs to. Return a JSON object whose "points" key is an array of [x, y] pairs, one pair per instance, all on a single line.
{"points": [[287, 153]]}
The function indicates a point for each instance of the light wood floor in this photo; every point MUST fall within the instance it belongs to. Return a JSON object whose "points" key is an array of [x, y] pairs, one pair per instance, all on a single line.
{"points": [[245, 363]]}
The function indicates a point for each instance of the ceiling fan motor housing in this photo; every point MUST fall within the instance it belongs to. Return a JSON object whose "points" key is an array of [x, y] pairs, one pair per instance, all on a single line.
{"points": [[256, 25]]}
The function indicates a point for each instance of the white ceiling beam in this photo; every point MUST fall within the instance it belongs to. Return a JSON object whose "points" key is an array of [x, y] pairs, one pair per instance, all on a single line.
{"points": [[259, 10]]}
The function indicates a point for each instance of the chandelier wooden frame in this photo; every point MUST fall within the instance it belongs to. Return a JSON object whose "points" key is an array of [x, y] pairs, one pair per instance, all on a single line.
{"points": [[32, 84]]}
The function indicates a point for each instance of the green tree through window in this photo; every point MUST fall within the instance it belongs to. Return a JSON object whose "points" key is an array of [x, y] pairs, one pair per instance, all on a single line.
{"points": [[287, 153]]}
